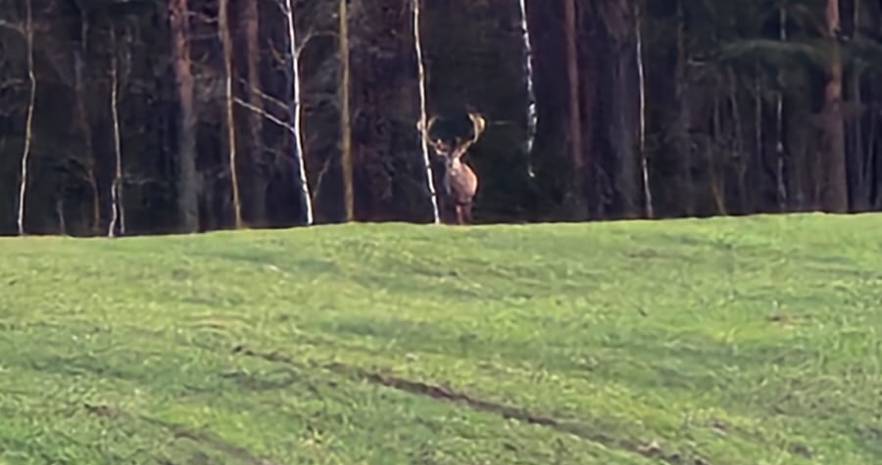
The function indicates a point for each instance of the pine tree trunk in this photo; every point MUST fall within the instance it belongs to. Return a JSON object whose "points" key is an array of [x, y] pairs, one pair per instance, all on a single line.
{"points": [[574, 133], [682, 140], [857, 159], [223, 25], [187, 182], [624, 107], [252, 164], [345, 114], [834, 187], [93, 221]]}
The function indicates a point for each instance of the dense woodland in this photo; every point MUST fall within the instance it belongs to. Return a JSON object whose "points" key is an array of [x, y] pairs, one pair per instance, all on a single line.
{"points": [[155, 116]]}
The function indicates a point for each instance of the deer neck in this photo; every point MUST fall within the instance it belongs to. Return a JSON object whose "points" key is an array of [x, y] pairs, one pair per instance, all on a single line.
{"points": [[454, 164]]}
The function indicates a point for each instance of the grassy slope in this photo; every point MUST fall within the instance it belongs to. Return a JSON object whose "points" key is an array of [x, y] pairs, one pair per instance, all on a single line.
{"points": [[751, 341]]}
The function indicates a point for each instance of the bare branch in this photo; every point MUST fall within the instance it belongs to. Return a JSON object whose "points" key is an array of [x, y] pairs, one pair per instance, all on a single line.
{"points": [[269, 98], [309, 38], [316, 190], [15, 27], [265, 114]]}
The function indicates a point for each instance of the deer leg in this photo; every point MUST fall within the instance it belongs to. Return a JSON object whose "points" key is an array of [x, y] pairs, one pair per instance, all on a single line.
{"points": [[464, 213]]}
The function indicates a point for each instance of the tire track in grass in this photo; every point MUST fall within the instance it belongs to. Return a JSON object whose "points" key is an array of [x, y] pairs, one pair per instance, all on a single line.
{"points": [[179, 432], [651, 450]]}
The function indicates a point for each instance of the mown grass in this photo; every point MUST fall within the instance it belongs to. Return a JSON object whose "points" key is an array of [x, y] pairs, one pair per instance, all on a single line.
{"points": [[731, 341]]}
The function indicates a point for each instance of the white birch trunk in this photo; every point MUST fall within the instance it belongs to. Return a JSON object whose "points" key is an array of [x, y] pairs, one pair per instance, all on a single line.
{"points": [[118, 219], [532, 113], [779, 115], [423, 126], [644, 162], [298, 112], [29, 124]]}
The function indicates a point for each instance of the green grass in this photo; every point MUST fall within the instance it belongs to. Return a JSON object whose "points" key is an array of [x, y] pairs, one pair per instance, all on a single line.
{"points": [[732, 341]]}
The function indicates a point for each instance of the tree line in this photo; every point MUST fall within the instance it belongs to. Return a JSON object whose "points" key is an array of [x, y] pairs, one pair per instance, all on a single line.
{"points": [[124, 117]]}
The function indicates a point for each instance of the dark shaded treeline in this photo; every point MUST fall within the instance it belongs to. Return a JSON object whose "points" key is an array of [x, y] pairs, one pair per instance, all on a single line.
{"points": [[664, 108]]}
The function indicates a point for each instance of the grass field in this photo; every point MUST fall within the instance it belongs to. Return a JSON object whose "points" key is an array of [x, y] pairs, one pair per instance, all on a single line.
{"points": [[718, 342]]}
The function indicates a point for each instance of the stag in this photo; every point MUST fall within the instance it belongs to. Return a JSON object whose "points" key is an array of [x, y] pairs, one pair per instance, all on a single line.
{"points": [[451, 138]]}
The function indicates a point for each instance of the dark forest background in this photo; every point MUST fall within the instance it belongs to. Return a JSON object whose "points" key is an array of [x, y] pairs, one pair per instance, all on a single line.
{"points": [[655, 108]]}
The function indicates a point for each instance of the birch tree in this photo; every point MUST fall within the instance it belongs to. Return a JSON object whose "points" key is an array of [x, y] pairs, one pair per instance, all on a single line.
{"points": [[780, 150], [297, 109], [532, 113], [118, 212], [641, 73], [29, 123], [423, 124]]}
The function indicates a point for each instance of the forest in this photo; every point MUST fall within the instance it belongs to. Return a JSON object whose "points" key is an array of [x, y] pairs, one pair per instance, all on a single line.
{"points": [[134, 117]]}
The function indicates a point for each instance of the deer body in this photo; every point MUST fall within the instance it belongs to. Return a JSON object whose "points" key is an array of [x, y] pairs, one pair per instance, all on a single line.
{"points": [[460, 186]]}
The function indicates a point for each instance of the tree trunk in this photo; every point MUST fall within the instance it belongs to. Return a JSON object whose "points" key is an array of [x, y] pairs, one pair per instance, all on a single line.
{"points": [[252, 165], [857, 178], [624, 106], [758, 159], [223, 25], [682, 139], [649, 207], [737, 147], [780, 150], [529, 80], [89, 159], [717, 176], [874, 166], [188, 185], [421, 76], [345, 113], [118, 212], [29, 123], [857, 159], [834, 187], [577, 192], [296, 109]]}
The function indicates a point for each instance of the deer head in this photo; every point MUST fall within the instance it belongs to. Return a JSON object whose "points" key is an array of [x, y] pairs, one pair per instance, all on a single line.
{"points": [[451, 137]]}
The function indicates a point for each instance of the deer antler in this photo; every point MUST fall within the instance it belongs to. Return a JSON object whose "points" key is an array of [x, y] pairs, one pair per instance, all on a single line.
{"points": [[429, 124], [478, 125]]}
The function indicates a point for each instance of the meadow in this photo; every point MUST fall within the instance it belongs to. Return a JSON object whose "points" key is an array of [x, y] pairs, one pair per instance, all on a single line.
{"points": [[749, 341]]}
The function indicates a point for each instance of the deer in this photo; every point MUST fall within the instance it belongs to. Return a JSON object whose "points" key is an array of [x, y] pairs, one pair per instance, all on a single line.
{"points": [[451, 138]]}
